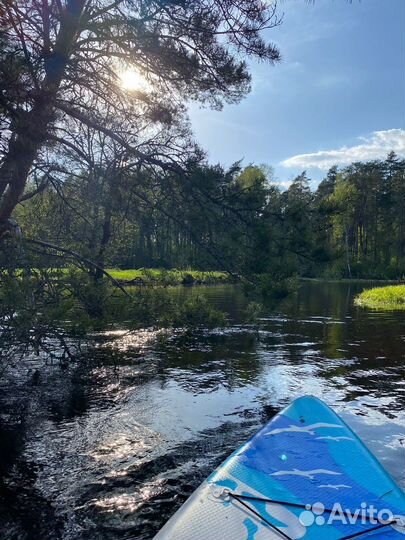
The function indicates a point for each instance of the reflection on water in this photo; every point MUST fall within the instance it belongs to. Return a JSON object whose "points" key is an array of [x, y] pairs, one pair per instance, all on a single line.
{"points": [[110, 448]]}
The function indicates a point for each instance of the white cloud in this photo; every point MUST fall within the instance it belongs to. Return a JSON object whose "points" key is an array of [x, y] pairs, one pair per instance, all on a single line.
{"points": [[375, 146]]}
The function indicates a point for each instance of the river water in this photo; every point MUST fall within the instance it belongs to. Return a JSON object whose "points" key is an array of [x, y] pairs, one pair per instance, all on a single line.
{"points": [[110, 447]]}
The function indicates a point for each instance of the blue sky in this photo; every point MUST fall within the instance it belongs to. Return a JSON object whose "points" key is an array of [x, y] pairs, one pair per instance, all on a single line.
{"points": [[337, 96]]}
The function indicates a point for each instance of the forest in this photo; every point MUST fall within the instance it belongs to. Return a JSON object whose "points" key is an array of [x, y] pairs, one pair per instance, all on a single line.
{"points": [[237, 220]]}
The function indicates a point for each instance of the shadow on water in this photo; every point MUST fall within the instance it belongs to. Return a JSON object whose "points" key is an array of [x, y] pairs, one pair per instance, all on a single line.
{"points": [[109, 448]]}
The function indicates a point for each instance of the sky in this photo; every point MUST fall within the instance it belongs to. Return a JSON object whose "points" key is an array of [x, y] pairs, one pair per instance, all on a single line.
{"points": [[337, 96]]}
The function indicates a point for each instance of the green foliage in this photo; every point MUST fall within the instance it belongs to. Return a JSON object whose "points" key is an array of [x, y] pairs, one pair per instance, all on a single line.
{"points": [[252, 312], [162, 277], [383, 298], [268, 289], [217, 219], [197, 312], [42, 311], [365, 214], [38, 315], [158, 307]]}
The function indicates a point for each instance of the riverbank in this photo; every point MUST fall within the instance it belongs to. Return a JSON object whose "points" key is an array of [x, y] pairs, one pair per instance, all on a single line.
{"points": [[162, 277], [347, 280], [383, 298]]}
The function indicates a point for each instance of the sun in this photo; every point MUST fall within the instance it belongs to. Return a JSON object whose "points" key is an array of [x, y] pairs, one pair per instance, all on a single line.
{"points": [[131, 79]]}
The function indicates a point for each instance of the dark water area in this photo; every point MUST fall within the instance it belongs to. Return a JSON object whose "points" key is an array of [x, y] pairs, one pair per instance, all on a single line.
{"points": [[110, 447]]}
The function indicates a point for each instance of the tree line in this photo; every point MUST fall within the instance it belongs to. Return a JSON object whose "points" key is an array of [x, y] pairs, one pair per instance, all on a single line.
{"points": [[364, 210], [236, 219]]}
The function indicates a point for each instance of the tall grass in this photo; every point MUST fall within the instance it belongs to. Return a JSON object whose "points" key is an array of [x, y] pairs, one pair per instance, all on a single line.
{"points": [[383, 298], [153, 276]]}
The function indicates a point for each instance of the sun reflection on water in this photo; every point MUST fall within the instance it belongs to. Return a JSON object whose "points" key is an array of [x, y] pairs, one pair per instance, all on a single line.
{"points": [[129, 502], [125, 340]]}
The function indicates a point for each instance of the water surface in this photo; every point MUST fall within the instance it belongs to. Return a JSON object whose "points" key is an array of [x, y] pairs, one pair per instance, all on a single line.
{"points": [[111, 447]]}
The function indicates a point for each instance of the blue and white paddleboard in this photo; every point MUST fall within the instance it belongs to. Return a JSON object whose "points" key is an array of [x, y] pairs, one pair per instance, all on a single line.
{"points": [[304, 475]]}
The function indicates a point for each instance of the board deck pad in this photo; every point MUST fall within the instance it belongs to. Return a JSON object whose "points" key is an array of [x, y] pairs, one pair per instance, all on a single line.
{"points": [[316, 477]]}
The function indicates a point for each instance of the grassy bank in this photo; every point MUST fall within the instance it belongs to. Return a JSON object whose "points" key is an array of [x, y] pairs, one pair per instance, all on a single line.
{"points": [[151, 276], [387, 298], [346, 280]]}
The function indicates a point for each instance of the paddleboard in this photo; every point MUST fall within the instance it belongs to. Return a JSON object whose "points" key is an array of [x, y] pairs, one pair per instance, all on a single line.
{"points": [[304, 475]]}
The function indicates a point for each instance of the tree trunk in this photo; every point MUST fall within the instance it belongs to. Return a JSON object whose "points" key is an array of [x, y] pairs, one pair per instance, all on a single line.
{"points": [[105, 238], [29, 131], [347, 252]]}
